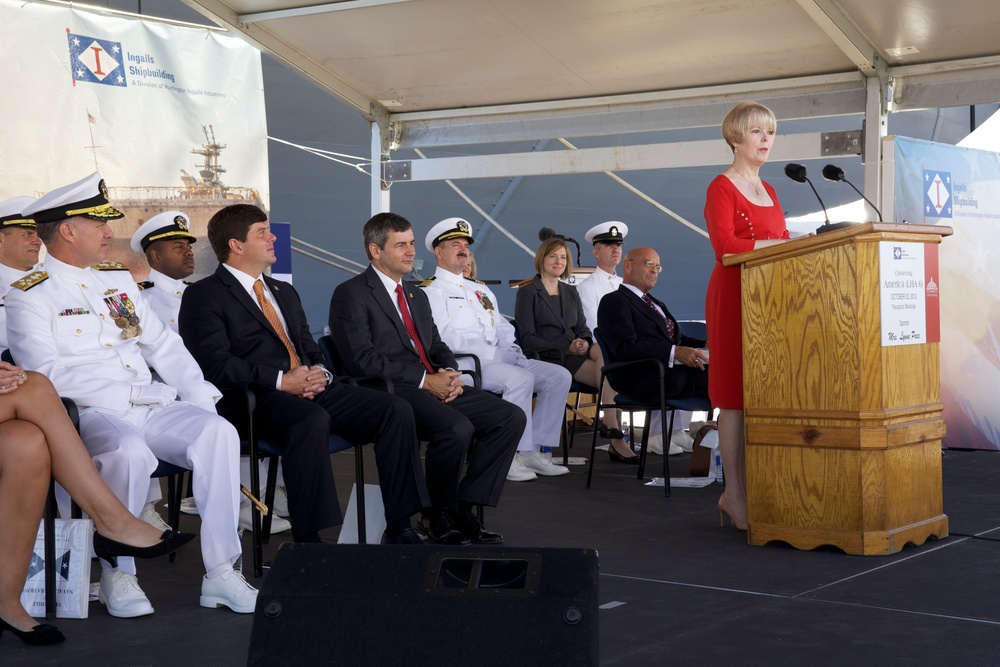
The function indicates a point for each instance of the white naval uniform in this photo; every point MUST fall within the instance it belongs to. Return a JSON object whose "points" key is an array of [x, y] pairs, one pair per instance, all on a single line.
{"points": [[62, 327], [468, 321], [164, 297], [592, 289], [164, 294], [7, 276]]}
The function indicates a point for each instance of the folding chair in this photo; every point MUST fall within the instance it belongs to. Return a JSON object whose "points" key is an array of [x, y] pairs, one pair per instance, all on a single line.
{"points": [[631, 405]]}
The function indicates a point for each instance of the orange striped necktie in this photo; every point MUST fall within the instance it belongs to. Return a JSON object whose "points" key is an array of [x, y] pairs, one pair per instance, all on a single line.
{"points": [[275, 321]]}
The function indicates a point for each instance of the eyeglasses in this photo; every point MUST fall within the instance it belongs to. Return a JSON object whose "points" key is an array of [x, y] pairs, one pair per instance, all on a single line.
{"points": [[650, 264]]}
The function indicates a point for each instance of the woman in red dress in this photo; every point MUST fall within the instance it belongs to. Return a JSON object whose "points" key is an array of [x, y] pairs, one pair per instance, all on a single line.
{"points": [[742, 213]]}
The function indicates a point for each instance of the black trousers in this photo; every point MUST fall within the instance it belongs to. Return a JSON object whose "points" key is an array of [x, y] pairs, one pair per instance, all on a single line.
{"points": [[478, 432], [300, 427]]}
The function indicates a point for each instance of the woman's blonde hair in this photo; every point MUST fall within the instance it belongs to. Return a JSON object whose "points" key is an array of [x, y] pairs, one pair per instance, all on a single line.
{"points": [[742, 117], [547, 248]]}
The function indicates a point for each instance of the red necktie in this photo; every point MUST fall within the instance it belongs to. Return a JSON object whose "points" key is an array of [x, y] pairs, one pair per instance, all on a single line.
{"points": [[671, 331], [410, 329]]}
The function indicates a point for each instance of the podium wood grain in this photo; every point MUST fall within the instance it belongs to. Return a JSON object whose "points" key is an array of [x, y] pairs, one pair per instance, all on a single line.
{"points": [[843, 435]]}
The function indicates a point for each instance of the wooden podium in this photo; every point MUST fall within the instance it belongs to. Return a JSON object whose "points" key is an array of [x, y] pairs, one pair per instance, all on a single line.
{"points": [[843, 434]]}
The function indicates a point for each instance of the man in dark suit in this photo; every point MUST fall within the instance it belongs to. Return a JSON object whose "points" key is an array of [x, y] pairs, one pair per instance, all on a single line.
{"points": [[635, 325], [382, 327], [244, 328]]}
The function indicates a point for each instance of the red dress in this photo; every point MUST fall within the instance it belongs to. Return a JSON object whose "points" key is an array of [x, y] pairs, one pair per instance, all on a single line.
{"points": [[734, 223]]}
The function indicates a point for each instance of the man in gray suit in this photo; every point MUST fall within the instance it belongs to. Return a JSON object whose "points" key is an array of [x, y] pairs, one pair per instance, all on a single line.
{"points": [[381, 326]]}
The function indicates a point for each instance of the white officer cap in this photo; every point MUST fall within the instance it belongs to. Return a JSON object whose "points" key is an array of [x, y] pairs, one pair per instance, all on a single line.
{"points": [[10, 213], [451, 228], [87, 197], [166, 225], [611, 231]]}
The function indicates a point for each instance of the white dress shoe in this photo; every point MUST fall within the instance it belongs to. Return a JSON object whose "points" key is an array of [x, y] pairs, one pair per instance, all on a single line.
{"points": [[518, 473], [229, 589], [121, 594], [541, 464], [189, 506], [655, 446], [278, 525], [280, 504], [682, 438], [153, 518]]}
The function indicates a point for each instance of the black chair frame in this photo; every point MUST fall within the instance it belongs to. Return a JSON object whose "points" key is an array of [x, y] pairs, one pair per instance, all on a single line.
{"points": [[631, 405]]}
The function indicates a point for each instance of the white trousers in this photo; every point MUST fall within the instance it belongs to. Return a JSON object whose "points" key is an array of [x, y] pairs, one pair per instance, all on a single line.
{"points": [[549, 382], [125, 448]]}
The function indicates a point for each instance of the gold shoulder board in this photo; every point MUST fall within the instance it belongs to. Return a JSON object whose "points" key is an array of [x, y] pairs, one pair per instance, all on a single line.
{"points": [[27, 282], [110, 266]]}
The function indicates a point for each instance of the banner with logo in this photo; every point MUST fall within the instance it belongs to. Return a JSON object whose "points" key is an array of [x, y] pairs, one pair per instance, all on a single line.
{"points": [[172, 116], [960, 187]]}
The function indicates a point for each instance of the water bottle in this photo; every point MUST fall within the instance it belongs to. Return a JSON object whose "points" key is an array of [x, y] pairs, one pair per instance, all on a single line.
{"points": [[718, 467], [626, 434]]}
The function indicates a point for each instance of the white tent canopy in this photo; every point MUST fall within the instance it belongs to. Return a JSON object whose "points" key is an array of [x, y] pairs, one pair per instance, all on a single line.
{"points": [[432, 73]]}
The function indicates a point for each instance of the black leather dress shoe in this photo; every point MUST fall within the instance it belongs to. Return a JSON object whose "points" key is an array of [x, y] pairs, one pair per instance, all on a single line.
{"points": [[472, 528], [408, 536], [441, 529]]}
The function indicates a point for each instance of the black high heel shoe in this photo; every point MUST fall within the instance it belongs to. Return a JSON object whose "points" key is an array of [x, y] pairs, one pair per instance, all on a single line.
{"points": [[610, 433], [618, 458], [110, 550], [42, 634]]}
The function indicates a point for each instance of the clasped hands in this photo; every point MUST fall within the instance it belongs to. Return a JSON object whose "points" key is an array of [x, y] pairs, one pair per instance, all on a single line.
{"points": [[304, 381], [691, 356], [444, 385], [578, 347], [11, 377]]}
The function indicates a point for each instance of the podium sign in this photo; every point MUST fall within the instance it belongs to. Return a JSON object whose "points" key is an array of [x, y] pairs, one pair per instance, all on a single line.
{"points": [[843, 429]]}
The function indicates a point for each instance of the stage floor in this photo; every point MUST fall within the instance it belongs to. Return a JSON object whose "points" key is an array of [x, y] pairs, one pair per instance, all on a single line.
{"points": [[675, 588]]}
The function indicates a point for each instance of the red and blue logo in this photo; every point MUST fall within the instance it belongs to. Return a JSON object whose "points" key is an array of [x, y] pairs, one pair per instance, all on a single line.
{"points": [[937, 194], [96, 60]]}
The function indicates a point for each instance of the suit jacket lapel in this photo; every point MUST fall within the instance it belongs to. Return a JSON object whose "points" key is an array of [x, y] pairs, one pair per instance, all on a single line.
{"points": [[388, 307], [244, 299], [543, 296], [641, 306]]}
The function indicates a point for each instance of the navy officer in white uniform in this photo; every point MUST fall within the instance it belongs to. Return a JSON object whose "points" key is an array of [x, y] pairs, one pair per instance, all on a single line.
{"points": [[166, 241], [80, 323], [19, 246], [468, 321], [607, 238]]}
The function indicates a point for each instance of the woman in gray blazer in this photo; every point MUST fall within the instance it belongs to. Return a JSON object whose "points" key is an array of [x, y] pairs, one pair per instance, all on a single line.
{"points": [[551, 324]]}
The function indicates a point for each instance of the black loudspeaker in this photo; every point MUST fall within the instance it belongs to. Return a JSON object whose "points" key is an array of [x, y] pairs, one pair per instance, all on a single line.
{"points": [[326, 604]]}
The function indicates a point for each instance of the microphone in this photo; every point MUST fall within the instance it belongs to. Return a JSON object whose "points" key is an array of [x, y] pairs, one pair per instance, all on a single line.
{"points": [[546, 233], [797, 172], [835, 173]]}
